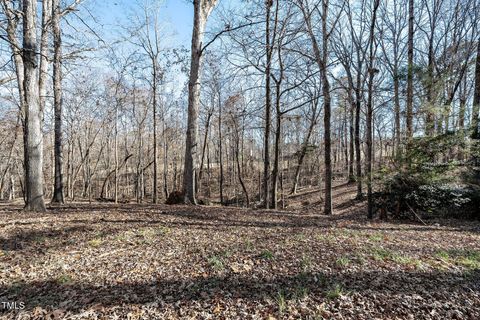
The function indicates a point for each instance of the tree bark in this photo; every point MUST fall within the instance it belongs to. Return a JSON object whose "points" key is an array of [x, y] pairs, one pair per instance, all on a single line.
{"points": [[33, 114], [358, 154], [155, 146], [398, 129], [220, 147], [371, 72], [303, 152], [268, 106], [351, 145], [57, 94], [410, 72], [202, 9], [321, 60], [204, 147], [476, 97], [44, 46]]}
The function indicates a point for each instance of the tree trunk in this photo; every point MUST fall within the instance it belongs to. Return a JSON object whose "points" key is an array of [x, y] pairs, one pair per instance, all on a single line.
{"points": [[398, 129], [202, 9], [33, 115], [430, 115], [165, 156], [371, 72], [57, 94], [302, 155], [358, 153], [204, 147], [327, 113], [155, 147], [43, 72], [321, 58], [268, 103], [476, 97], [410, 72], [237, 157], [220, 145], [351, 174], [276, 159]]}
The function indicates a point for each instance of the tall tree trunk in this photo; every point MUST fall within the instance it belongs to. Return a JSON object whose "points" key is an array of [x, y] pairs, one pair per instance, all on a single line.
{"points": [[398, 129], [410, 72], [321, 58], [476, 97], [204, 147], [17, 53], [268, 107], [239, 169], [327, 112], [165, 157], [371, 72], [44, 46], [57, 98], [351, 146], [155, 146], [358, 154], [116, 154], [276, 159], [430, 115], [220, 147], [463, 104], [33, 115], [202, 9]]}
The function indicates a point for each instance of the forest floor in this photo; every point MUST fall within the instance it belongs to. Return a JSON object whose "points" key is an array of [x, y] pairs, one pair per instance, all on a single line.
{"points": [[129, 261]]}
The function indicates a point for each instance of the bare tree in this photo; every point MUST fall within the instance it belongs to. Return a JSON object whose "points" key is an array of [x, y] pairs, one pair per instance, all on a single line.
{"points": [[202, 9], [57, 93], [411, 18], [476, 96], [321, 58], [33, 114], [371, 73]]}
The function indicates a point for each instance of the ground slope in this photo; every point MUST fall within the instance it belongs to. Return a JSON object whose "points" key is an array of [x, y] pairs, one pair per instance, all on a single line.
{"points": [[159, 262]]}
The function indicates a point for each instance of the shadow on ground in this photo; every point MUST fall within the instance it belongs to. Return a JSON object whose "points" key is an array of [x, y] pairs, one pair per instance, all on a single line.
{"points": [[437, 285]]}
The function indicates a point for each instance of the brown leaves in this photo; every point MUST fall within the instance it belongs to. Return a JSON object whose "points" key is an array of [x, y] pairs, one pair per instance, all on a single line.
{"points": [[190, 262]]}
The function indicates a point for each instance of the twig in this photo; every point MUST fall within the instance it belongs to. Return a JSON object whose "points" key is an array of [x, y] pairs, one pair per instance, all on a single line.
{"points": [[416, 215]]}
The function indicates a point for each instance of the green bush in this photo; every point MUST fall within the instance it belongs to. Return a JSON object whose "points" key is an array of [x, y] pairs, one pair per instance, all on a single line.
{"points": [[433, 178]]}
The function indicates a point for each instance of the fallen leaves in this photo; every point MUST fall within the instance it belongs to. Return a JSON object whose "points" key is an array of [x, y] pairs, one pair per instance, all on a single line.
{"points": [[159, 262]]}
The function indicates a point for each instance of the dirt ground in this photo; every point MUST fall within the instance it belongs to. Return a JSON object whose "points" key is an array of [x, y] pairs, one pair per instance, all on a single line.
{"points": [[129, 261]]}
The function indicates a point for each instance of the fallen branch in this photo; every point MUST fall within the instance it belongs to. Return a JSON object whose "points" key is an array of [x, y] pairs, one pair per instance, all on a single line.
{"points": [[416, 215]]}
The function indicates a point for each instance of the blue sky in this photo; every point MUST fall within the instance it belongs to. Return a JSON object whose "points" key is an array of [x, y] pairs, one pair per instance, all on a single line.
{"points": [[177, 14]]}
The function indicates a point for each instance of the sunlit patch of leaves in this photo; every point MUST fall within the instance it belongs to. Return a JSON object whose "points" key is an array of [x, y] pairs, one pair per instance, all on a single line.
{"points": [[163, 230], [95, 242]]}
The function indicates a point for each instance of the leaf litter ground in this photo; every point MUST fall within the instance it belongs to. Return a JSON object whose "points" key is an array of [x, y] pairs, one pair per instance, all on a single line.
{"points": [[130, 261]]}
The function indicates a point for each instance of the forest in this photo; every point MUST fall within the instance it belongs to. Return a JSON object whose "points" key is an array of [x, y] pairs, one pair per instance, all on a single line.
{"points": [[240, 159]]}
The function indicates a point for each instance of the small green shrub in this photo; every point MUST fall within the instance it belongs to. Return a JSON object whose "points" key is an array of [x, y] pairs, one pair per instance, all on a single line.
{"points": [[335, 292], [267, 255]]}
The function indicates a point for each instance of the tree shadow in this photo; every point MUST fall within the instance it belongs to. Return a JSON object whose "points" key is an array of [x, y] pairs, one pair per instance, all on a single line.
{"points": [[78, 295], [22, 239]]}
